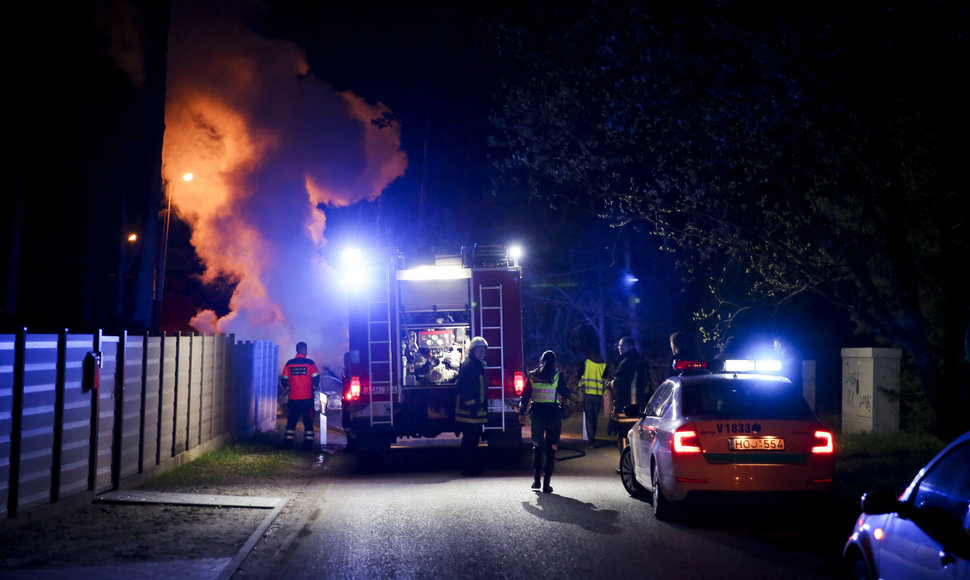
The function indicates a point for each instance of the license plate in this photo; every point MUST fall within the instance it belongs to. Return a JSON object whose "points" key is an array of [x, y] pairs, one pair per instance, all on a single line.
{"points": [[756, 444]]}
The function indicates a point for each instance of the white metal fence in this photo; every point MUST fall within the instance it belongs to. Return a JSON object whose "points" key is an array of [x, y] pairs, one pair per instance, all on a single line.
{"points": [[82, 413]]}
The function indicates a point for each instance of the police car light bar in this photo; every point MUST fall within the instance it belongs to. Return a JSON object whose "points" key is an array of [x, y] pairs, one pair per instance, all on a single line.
{"points": [[747, 366], [689, 365]]}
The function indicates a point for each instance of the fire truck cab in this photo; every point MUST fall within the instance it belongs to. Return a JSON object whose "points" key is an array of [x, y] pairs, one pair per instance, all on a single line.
{"points": [[408, 333]]}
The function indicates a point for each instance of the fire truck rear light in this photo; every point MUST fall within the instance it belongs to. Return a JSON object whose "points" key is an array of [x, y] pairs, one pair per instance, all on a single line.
{"points": [[824, 443], [686, 441], [518, 383], [353, 393]]}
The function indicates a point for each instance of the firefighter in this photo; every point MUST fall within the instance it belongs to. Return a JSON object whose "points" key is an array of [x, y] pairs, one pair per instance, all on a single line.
{"points": [[543, 389], [301, 377], [471, 407], [592, 380]]}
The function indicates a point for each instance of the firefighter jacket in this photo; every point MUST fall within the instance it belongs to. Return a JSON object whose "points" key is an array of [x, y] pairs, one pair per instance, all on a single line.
{"points": [[541, 391], [472, 403], [301, 376], [593, 379]]}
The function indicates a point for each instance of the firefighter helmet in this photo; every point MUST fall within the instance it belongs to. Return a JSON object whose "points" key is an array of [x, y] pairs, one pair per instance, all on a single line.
{"points": [[477, 341]]}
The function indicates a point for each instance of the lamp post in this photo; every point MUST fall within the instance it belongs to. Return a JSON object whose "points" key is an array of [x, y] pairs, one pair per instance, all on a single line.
{"points": [[160, 281]]}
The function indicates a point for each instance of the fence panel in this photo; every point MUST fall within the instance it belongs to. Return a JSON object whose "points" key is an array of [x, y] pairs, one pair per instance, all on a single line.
{"points": [[167, 423], [37, 431], [151, 402], [195, 392], [265, 382], [76, 434], [182, 390], [7, 345], [134, 350], [208, 369], [106, 412], [219, 395]]}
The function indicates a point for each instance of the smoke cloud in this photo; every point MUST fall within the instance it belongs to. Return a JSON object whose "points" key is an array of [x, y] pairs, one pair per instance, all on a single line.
{"points": [[265, 144]]}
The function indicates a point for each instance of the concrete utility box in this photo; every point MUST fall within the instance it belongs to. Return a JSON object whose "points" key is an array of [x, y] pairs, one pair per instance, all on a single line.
{"points": [[870, 389]]}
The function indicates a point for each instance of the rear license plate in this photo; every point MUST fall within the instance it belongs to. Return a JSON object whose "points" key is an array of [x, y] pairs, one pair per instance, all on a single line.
{"points": [[756, 444]]}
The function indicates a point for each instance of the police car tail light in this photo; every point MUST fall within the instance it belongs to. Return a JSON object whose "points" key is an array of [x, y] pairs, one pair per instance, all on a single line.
{"points": [[518, 383], [686, 441], [353, 392], [824, 443]]}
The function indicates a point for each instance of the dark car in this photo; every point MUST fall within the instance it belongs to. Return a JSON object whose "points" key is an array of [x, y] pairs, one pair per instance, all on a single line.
{"points": [[925, 532]]}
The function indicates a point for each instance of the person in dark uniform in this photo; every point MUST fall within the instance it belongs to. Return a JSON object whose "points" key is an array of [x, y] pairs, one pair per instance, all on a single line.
{"points": [[681, 348], [471, 407], [544, 389], [631, 378], [302, 379]]}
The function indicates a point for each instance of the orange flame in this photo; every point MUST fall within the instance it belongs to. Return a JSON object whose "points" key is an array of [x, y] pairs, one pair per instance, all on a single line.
{"points": [[266, 145]]}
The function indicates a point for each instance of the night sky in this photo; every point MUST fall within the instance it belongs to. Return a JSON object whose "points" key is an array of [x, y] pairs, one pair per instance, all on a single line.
{"points": [[277, 102]]}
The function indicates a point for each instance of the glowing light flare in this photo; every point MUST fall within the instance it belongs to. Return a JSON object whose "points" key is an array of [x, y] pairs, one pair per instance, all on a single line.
{"points": [[352, 256], [188, 177], [764, 365], [355, 278], [767, 365], [518, 383], [878, 534], [435, 273], [353, 390], [132, 238]]}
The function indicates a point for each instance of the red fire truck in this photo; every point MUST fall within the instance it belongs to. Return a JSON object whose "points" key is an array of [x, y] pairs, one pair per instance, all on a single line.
{"points": [[409, 328]]}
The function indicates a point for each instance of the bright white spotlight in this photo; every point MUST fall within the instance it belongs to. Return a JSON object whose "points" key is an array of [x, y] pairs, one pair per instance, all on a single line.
{"points": [[352, 255], [515, 252]]}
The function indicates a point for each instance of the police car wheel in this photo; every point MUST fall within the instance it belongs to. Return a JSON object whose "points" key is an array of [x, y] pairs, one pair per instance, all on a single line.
{"points": [[627, 475], [663, 509]]}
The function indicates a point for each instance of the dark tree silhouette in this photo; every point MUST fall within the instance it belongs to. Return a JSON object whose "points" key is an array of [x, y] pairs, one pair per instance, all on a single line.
{"points": [[781, 149]]}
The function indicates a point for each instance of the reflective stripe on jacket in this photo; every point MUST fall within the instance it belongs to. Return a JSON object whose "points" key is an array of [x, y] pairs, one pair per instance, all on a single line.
{"points": [[592, 381], [544, 392]]}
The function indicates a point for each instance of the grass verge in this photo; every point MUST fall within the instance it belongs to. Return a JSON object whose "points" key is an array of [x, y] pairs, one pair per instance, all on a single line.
{"points": [[871, 461], [241, 460]]}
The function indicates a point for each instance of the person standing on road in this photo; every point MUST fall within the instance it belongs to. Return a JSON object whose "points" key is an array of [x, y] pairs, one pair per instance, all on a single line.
{"points": [[471, 407], [302, 379], [543, 389], [632, 376], [592, 381]]}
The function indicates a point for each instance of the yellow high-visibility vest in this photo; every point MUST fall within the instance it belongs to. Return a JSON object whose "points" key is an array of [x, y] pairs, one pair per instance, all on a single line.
{"points": [[544, 392], [592, 381]]}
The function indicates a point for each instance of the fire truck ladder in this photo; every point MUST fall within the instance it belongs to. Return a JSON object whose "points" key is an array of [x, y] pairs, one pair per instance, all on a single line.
{"points": [[490, 299], [379, 346]]}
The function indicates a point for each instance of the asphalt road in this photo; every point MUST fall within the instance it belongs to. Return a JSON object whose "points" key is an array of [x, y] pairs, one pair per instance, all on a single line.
{"points": [[416, 517]]}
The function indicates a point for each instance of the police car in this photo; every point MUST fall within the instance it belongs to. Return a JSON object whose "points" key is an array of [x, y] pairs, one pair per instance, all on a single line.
{"points": [[735, 431]]}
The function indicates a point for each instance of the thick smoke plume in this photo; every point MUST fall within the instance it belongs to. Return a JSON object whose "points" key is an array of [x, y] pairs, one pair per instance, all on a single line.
{"points": [[265, 144]]}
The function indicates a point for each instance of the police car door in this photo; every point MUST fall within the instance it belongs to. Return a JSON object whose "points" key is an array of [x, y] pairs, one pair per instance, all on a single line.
{"points": [[647, 431]]}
